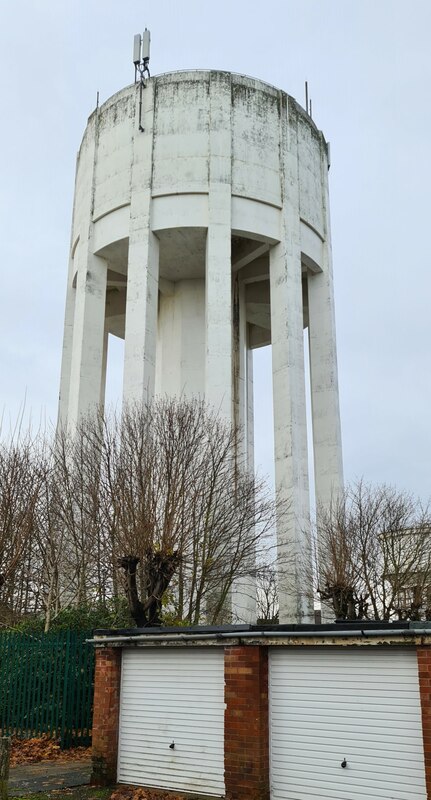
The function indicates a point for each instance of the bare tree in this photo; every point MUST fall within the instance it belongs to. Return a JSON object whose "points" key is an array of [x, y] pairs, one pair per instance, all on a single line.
{"points": [[183, 513], [267, 594], [21, 481], [374, 554], [152, 502]]}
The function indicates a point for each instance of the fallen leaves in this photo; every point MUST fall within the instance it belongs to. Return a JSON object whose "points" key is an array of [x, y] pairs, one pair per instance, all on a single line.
{"points": [[138, 793], [43, 748]]}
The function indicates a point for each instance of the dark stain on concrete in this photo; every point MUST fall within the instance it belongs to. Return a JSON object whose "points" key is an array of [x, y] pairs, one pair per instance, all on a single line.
{"points": [[47, 776]]}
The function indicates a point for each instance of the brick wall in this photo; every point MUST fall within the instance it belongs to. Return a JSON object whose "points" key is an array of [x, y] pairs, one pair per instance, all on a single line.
{"points": [[246, 719], [424, 668], [246, 723], [106, 715]]}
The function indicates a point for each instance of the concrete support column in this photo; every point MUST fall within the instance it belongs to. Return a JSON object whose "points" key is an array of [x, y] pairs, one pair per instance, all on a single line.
{"points": [[218, 280], [180, 362], [104, 366], [328, 462], [168, 350], [220, 374], [250, 409], [143, 266], [239, 331], [237, 363], [244, 586], [88, 336], [192, 364], [66, 360], [84, 275], [243, 365], [325, 407], [290, 426]]}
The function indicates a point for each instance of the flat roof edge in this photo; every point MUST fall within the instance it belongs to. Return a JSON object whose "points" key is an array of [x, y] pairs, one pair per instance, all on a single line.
{"points": [[413, 632]]}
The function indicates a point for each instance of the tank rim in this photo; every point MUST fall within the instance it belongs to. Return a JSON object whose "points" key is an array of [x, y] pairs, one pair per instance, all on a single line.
{"points": [[258, 81]]}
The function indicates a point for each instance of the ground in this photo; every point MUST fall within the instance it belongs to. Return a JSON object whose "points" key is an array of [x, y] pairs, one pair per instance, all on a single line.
{"points": [[110, 793], [76, 793], [40, 770], [43, 748]]}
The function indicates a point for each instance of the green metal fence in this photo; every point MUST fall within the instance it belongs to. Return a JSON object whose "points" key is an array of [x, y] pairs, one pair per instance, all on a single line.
{"points": [[46, 685]]}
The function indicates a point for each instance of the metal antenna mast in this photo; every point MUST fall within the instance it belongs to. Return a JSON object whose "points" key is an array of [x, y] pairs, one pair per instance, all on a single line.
{"points": [[141, 60]]}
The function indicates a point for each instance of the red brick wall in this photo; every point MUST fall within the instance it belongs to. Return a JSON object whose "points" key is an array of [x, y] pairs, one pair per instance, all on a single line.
{"points": [[424, 667], [105, 715], [246, 723]]}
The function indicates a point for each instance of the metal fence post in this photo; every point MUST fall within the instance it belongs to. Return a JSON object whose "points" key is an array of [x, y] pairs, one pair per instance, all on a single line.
{"points": [[46, 685], [64, 739], [4, 766]]}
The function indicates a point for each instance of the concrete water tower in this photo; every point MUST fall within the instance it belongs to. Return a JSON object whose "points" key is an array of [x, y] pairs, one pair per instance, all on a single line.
{"points": [[200, 232]]}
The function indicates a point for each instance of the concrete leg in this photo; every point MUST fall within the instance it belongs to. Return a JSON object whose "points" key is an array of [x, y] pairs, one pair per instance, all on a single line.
{"points": [[218, 279], [66, 361], [88, 339], [104, 367], [218, 307], [290, 436], [250, 410], [141, 318], [244, 586], [143, 267], [328, 465]]}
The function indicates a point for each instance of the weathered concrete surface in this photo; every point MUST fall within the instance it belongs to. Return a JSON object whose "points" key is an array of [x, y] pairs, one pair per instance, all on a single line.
{"points": [[197, 238], [46, 776]]}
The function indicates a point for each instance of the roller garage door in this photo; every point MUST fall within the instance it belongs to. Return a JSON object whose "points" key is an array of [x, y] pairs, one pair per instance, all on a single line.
{"points": [[334, 705], [171, 733]]}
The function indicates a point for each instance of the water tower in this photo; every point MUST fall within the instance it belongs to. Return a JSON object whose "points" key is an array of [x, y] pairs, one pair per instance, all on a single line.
{"points": [[201, 232]]}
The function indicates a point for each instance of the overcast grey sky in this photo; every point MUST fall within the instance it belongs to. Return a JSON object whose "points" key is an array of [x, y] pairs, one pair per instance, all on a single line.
{"points": [[368, 65]]}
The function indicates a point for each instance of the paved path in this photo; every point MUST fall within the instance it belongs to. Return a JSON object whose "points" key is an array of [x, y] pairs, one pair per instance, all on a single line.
{"points": [[48, 775]]}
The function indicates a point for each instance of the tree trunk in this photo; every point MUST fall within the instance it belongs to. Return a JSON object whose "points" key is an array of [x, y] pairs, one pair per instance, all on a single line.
{"points": [[129, 564], [159, 571]]}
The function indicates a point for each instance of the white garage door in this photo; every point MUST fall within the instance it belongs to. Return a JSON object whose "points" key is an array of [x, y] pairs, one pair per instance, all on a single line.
{"points": [[361, 705], [171, 696]]}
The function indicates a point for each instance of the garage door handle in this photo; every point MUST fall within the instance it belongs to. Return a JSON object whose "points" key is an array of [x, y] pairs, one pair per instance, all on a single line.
{"points": [[172, 746], [344, 763]]}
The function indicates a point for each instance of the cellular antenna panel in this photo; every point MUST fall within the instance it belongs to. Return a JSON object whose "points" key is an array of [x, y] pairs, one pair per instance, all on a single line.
{"points": [[137, 49], [146, 39]]}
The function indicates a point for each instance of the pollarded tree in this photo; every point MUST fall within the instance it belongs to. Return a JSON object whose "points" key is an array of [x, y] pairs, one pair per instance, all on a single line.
{"points": [[155, 500], [181, 511], [374, 562]]}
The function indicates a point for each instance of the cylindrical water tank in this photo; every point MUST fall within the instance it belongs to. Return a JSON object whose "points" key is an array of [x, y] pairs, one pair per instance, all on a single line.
{"points": [[200, 232]]}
